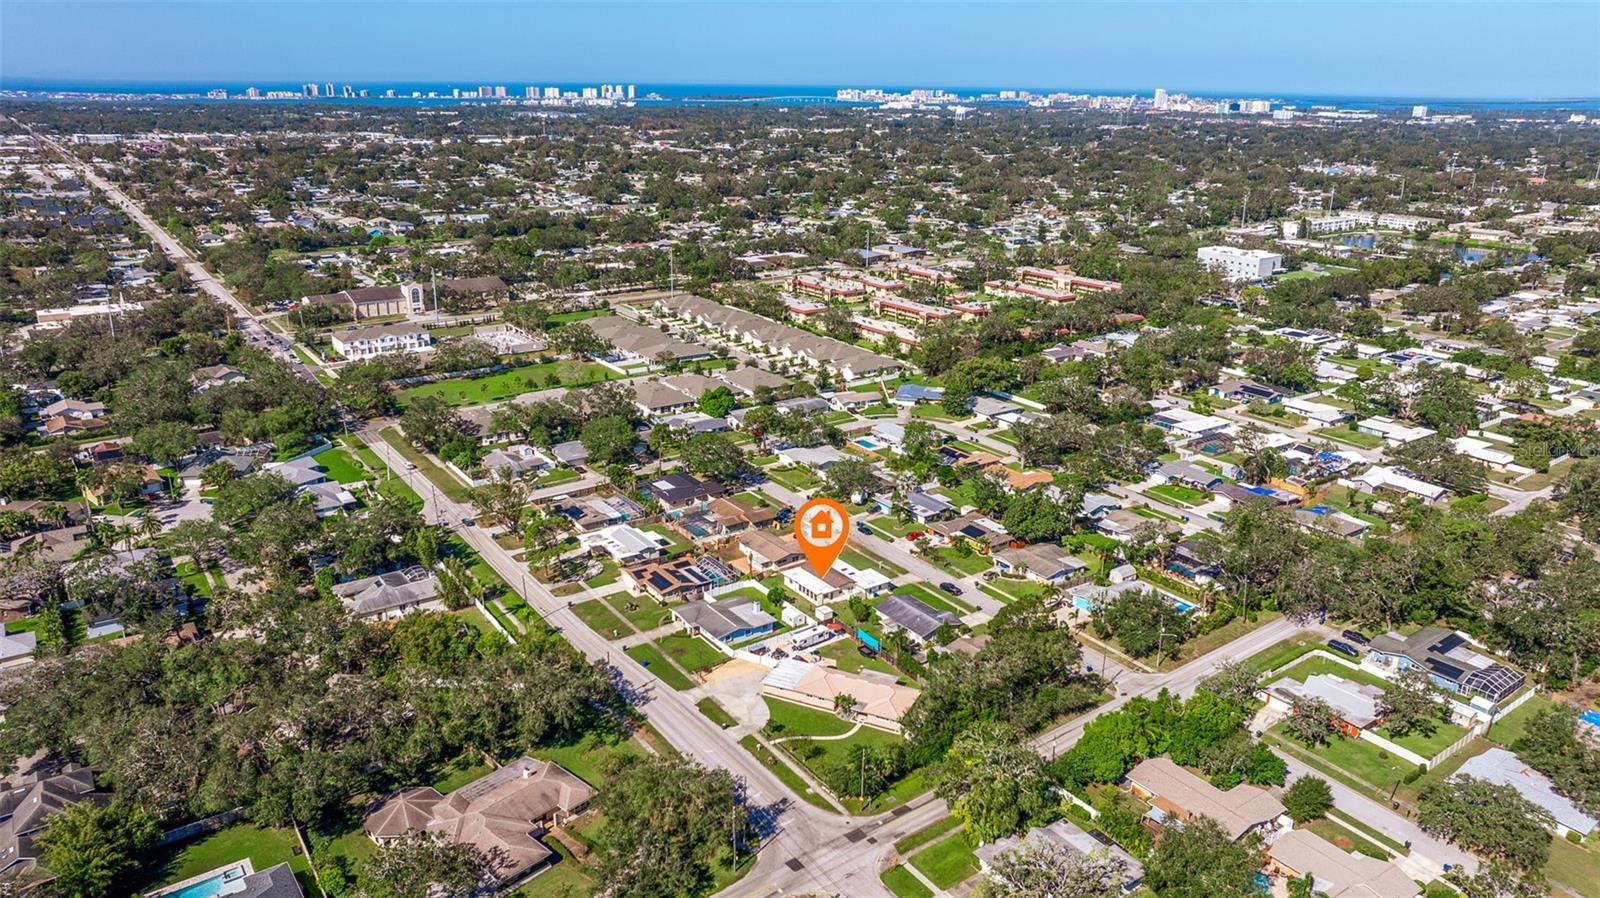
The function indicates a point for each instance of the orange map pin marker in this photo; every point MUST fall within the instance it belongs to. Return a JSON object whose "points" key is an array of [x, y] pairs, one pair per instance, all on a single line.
{"points": [[822, 527]]}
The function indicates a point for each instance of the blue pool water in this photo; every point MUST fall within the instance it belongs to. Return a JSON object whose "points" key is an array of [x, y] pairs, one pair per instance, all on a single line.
{"points": [[865, 443], [1183, 607], [210, 887], [1592, 718]]}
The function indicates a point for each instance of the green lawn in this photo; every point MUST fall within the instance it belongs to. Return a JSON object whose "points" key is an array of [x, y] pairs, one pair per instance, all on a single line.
{"points": [[1282, 653], [939, 599], [691, 652], [340, 466], [795, 478], [780, 768], [601, 619], [679, 544], [1018, 589], [1351, 437], [557, 476], [903, 884], [789, 719], [1508, 729], [264, 847], [646, 613], [926, 834], [1361, 760], [848, 658], [893, 526], [562, 878], [441, 478], [1179, 494], [867, 561], [507, 384], [946, 862], [609, 574], [716, 713], [951, 559], [1575, 866], [1319, 665], [1347, 839], [651, 657], [459, 772]]}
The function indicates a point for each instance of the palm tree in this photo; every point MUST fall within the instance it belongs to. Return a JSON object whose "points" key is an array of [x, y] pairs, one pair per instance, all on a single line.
{"points": [[843, 704], [148, 526]]}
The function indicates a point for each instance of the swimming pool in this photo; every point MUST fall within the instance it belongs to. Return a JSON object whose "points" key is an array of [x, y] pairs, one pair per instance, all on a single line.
{"points": [[1592, 718], [221, 882], [865, 443]]}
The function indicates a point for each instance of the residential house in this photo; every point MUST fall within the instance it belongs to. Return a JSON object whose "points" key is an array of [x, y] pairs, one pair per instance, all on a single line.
{"points": [[880, 701], [854, 401], [514, 462], [725, 517], [841, 582], [727, 621], [1187, 474], [817, 458], [1178, 794], [678, 492], [1121, 524], [677, 579], [571, 452], [1498, 765], [1450, 660], [389, 595], [1383, 479], [592, 512], [626, 544], [768, 552], [913, 394], [28, 801], [504, 814], [1393, 432], [213, 376], [747, 379], [1066, 835], [1356, 706], [1046, 562], [656, 400], [66, 417], [914, 617], [1247, 391], [981, 532], [1336, 873], [1186, 425], [1319, 413]]}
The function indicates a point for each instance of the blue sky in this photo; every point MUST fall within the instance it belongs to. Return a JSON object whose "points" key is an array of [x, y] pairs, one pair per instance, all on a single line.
{"points": [[1447, 49]]}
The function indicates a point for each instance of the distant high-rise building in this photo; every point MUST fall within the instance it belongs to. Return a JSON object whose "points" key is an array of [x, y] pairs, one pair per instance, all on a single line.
{"points": [[530, 92], [252, 93], [499, 90], [218, 93], [362, 93], [327, 89], [630, 91], [1161, 98], [348, 92], [389, 93], [552, 93], [1419, 112], [308, 90], [590, 93]]}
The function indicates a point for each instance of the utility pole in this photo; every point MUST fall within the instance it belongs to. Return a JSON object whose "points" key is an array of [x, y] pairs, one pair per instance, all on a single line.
{"points": [[434, 277]]}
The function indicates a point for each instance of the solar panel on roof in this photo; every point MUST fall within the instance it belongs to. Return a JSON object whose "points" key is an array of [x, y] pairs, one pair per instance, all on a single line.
{"points": [[1448, 671], [1445, 645]]}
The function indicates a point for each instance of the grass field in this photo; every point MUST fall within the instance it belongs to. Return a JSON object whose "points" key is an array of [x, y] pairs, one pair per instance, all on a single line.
{"points": [[601, 619], [715, 712], [657, 663], [1347, 839], [562, 878], [691, 652], [946, 862], [788, 719], [925, 835], [847, 658], [780, 768], [935, 598], [1575, 866], [795, 478], [903, 884], [340, 466], [866, 560], [647, 613], [507, 384], [1351, 437], [1178, 494], [264, 847], [1361, 760], [951, 560], [1278, 655], [678, 545], [440, 478]]}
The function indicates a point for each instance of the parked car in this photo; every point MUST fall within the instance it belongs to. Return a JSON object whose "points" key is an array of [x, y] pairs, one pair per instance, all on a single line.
{"points": [[1343, 647], [950, 588], [1356, 637]]}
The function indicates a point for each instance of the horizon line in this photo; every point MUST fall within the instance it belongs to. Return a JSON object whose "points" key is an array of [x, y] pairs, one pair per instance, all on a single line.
{"points": [[85, 83]]}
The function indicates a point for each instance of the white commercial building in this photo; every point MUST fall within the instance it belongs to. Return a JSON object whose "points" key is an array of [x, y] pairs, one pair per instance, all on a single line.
{"points": [[382, 339], [1238, 264]]}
